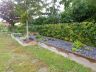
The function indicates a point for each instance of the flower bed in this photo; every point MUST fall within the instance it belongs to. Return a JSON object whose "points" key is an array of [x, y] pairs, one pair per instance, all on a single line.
{"points": [[86, 51], [23, 40]]}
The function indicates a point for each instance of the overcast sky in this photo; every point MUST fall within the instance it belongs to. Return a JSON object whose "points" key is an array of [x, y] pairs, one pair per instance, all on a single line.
{"points": [[61, 6]]}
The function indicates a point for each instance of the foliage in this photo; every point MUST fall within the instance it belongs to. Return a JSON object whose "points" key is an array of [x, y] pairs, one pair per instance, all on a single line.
{"points": [[20, 29], [74, 11], [85, 32], [45, 20], [28, 9], [7, 11], [20, 10], [66, 16], [82, 11], [66, 3], [39, 21], [77, 45], [78, 11], [53, 8], [51, 20]]}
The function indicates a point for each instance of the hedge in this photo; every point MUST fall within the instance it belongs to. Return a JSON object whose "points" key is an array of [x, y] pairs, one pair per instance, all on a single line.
{"points": [[84, 32]]}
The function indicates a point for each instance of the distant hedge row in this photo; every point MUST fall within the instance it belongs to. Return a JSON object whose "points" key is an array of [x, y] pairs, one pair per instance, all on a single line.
{"points": [[84, 32]]}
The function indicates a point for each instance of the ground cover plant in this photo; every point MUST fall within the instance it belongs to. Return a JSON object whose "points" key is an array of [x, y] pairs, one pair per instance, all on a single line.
{"points": [[77, 45]]}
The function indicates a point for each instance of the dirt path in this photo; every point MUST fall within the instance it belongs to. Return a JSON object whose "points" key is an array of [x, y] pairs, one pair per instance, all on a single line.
{"points": [[20, 60]]}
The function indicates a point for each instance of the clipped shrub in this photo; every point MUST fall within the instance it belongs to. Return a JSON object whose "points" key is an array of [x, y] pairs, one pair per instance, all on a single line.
{"points": [[84, 32]]}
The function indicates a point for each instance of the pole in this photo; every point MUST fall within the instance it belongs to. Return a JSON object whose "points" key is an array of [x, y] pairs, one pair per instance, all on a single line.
{"points": [[27, 30]]}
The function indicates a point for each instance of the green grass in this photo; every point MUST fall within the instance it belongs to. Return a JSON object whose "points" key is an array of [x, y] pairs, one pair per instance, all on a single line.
{"points": [[5, 55], [3, 60], [55, 62], [14, 57]]}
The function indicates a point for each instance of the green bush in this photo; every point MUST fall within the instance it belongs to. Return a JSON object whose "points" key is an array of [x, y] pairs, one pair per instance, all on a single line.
{"points": [[39, 37], [77, 45], [85, 32], [46, 20]]}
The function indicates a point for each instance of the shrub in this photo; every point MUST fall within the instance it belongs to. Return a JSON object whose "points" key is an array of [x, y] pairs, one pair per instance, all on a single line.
{"points": [[39, 37], [85, 32], [77, 45]]}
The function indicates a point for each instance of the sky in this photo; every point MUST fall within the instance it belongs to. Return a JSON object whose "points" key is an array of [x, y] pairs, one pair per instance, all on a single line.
{"points": [[61, 6]]}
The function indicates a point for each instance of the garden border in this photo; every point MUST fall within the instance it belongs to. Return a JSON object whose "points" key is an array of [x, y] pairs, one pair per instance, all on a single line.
{"points": [[71, 56], [81, 60]]}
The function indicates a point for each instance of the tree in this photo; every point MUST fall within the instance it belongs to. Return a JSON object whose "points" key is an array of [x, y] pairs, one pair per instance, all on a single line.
{"points": [[66, 3], [11, 10], [27, 9], [80, 10], [7, 12], [92, 2], [53, 10]]}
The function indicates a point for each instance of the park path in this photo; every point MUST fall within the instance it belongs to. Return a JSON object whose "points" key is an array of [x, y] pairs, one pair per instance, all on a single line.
{"points": [[19, 60]]}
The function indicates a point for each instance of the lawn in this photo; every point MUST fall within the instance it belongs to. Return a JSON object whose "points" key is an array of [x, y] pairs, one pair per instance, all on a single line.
{"points": [[15, 58]]}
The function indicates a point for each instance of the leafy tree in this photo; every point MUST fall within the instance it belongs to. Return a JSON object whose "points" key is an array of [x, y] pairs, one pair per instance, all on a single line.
{"points": [[66, 16], [7, 12], [52, 20], [53, 8], [27, 9], [66, 3], [39, 21], [80, 10], [92, 2], [23, 10]]}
